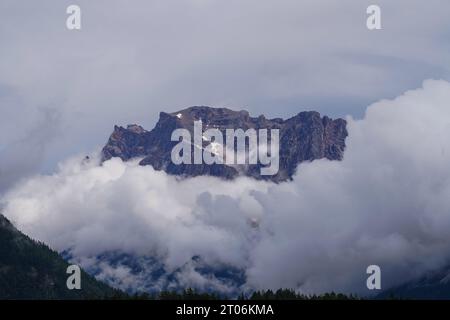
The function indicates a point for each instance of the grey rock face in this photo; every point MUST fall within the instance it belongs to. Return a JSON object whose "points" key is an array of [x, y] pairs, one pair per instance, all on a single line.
{"points": [[304, 137]]}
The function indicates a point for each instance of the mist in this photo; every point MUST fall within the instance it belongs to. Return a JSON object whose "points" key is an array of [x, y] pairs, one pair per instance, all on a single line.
{"points": [[387, 203]]}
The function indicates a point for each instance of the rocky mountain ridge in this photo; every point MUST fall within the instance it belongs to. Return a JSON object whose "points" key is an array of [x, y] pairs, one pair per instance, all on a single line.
{"points": [[304, 137]]}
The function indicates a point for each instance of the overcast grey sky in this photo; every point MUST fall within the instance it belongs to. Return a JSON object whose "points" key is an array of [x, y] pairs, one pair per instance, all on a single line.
{"points": [[386, 203], [62, 91]]}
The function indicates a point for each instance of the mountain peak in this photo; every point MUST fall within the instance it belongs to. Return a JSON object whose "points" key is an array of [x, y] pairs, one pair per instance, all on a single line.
{"points": [[304, 137]]}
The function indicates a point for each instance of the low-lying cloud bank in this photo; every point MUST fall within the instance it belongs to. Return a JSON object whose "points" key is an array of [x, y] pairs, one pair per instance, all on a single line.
{"points": [[386, 203]]}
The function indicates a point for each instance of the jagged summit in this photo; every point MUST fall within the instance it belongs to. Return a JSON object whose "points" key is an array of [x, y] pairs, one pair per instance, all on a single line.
{"points": [[305, 137]]}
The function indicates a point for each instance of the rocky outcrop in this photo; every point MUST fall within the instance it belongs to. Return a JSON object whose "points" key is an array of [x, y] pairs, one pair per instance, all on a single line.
{"points": [[304, 137]]}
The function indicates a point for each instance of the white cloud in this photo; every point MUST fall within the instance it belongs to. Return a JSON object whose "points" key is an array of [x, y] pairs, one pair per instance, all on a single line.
{"points": [[386, 203]]}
